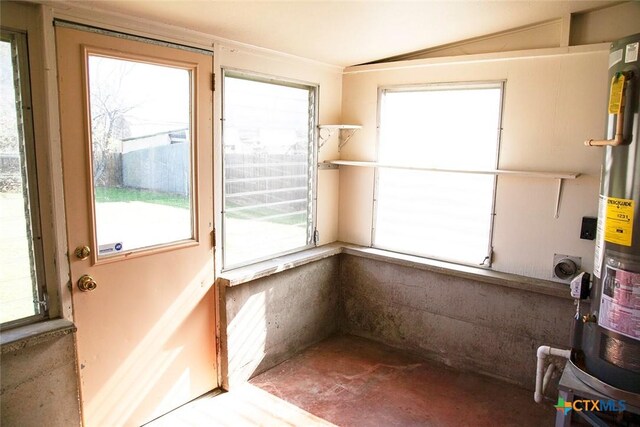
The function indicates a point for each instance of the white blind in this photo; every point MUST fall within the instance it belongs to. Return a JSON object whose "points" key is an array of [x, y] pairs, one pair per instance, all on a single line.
{"points": [[440, 215]]}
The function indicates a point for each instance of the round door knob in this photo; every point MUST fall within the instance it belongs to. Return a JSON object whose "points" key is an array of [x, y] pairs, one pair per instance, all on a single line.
{"points": [[86, 283]]}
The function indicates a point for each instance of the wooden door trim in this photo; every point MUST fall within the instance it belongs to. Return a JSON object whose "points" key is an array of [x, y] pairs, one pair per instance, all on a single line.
{"points": [[193, 69]]}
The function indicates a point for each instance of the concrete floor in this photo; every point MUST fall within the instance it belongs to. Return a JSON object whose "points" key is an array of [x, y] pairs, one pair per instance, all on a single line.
{"points": [[350, 381]]}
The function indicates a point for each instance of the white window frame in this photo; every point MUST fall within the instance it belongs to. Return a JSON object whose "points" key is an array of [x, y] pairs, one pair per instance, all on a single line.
{"points": [[488, 261], [313, 159]]}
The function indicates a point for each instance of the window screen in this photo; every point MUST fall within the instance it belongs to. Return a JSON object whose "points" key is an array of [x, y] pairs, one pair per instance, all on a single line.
{"points": [[268, 133], [442, 215]]}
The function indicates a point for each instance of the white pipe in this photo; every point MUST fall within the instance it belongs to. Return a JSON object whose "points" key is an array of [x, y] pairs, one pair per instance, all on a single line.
{"points": [[542, 353], [547, 376]]}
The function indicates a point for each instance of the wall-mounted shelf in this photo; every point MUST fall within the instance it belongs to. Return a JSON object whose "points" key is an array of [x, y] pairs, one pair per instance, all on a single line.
{"points": [[560, 176], [531, 174], [346, 132]]}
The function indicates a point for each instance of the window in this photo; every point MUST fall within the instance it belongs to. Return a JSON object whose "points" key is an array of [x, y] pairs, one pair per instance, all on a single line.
{"points": [[22, 290], [442, 215], [141, 153], [268, 166]]}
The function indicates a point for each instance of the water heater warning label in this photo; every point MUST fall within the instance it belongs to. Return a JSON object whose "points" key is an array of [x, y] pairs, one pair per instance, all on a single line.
{"points": [[620, 303], [616, 93], [618, 224]]}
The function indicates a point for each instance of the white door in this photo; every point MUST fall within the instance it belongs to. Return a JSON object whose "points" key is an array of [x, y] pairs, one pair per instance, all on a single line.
{"points": [[137, 161]]}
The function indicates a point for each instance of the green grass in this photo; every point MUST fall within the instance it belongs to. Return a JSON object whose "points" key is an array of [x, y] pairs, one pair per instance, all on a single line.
{"points": [[114, 194]]}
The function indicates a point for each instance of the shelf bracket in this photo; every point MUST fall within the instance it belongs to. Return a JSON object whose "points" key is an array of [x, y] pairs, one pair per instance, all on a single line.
{"points": [[345, 136], [324, 134], [325, 165], [345, 132], [558, 197]]}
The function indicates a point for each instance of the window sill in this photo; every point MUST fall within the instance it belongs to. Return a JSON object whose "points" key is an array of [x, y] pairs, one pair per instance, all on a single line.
{"points": [[508, 280], [35, 333], [276, 265], [251, 272]]}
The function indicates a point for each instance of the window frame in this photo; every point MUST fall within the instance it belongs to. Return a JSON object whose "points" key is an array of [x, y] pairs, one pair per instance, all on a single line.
{"points": [[382, 90], [20, 47], [314, 89], [193, 71]]}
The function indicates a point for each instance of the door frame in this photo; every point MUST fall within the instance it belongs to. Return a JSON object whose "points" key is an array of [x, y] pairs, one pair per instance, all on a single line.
{"points": [[196, 200]]}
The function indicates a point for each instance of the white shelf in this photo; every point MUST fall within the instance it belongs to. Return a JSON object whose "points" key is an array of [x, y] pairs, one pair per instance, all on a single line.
{"points": [[340, 126], [346, 132], [531, 174], [559, 176]]}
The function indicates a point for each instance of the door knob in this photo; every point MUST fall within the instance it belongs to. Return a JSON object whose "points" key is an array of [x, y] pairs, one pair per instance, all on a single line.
{"points": [[82, 252], [86, 283]]}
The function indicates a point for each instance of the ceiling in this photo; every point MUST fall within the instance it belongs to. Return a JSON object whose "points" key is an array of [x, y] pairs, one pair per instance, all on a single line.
{"points": [[344, 32]]}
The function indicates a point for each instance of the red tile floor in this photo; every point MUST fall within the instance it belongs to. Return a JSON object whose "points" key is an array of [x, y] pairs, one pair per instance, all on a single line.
{"points": [[350, 381]]}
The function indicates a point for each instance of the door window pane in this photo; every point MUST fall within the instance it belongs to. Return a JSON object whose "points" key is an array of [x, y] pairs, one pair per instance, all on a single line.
{"points": [[268, 168], [141, 154], [435, 214], [19, 231]]}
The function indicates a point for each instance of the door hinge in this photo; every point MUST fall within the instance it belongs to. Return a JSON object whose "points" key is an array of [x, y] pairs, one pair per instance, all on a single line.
{"points": [[213, 238], [316, 237], [213, 82]]}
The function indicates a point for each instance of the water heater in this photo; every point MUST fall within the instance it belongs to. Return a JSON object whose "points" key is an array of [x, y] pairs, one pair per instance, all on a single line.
{"points": [[610, 347]]}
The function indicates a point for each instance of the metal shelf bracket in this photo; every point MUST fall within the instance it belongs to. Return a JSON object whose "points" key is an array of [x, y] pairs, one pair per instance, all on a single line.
{"points": [[325, 132], [558, 197]]}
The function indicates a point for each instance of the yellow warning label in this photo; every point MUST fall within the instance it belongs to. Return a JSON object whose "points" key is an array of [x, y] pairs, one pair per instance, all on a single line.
{"points": [[615, 97], [618, 225]]}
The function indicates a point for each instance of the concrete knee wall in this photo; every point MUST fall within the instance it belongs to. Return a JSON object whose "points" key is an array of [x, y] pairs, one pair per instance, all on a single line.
{"points": [[39, 385], [268, 320], [466, 324]]}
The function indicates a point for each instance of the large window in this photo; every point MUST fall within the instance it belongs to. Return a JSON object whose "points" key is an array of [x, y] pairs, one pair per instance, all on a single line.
{"points": [[22, 291], [444, 215], [268, 158]]}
